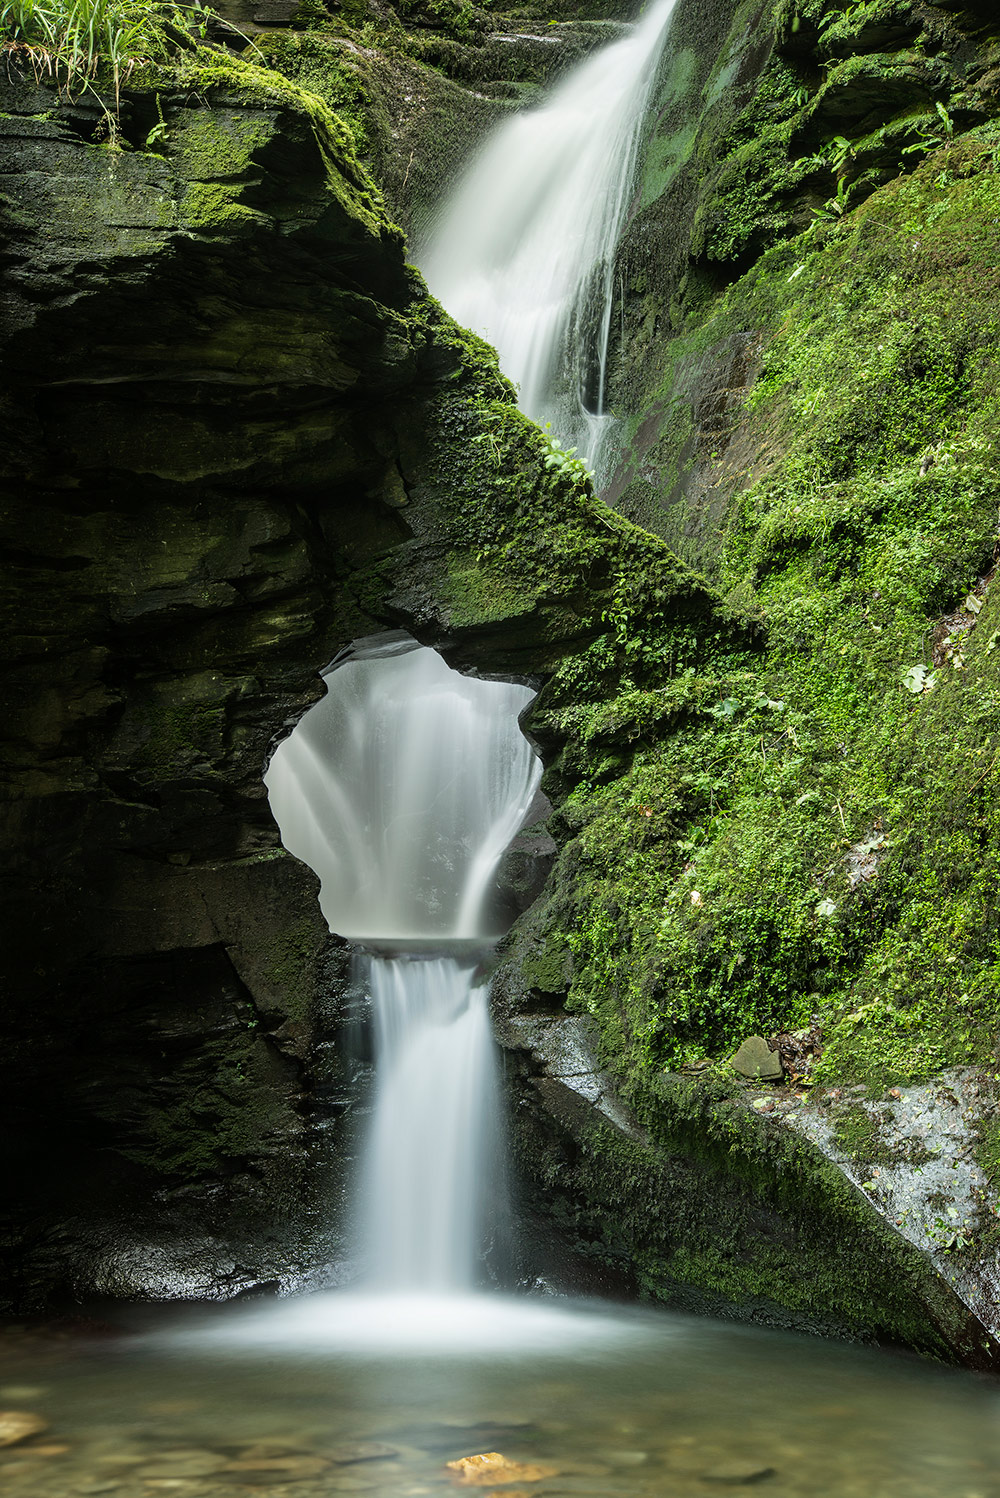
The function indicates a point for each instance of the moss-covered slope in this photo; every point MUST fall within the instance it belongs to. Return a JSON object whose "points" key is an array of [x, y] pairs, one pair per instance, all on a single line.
{"points": [[797, 833], [808, 830]]}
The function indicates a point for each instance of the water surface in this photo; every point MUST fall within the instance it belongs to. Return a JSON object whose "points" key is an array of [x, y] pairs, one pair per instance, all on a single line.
{"points": [[617, 1402]]}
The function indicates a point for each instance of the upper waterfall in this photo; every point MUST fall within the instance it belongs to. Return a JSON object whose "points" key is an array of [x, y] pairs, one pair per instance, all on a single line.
{"points": [[401, 788], [524, 250]]}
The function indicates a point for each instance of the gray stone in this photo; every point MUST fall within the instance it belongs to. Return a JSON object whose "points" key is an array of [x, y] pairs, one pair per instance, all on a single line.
{"points": [[737, 1473], [755, 1059]]}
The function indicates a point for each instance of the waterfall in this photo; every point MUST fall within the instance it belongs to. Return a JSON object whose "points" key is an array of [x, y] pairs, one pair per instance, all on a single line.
{"points": [[524, 250], [401, 788], [432, 1174]]}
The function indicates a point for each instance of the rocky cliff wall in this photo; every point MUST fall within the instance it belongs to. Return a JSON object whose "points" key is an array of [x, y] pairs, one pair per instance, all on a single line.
{"points": [[240, 434]]}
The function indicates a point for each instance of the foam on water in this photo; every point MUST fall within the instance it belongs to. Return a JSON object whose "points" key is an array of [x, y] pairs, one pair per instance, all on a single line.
{"points": [[445, 1325]]}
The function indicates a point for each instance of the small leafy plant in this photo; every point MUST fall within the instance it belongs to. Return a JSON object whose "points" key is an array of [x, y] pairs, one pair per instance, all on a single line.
{"points": [[834, 208], [930, 137], [563, 462]]}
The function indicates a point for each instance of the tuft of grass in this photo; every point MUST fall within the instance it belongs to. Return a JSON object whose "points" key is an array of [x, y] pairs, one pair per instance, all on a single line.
{"points": [[71, 41], [95, 46]]}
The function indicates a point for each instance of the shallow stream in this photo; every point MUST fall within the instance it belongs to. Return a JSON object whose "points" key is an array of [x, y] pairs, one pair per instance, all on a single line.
{"points": [[601, 1401]]}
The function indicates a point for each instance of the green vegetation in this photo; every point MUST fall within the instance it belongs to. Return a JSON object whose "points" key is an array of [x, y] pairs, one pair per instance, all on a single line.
{"points": [[761, 834], [96, 46], [71, 40]]}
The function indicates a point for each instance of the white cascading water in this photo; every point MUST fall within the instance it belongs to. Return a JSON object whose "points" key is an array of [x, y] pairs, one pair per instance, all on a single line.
{"points": [[401, 789], [524, 250], [432, 1155]]}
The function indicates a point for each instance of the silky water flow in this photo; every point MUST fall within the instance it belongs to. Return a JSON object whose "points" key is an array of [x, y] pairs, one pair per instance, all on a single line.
{"points": [[523, 250], [402, 788]]}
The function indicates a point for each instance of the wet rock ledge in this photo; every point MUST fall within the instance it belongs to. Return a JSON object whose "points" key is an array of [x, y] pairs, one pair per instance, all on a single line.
{"points": [[837, 1213]]}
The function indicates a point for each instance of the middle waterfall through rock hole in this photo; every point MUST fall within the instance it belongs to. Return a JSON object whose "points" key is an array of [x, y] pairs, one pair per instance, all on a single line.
{"points": [[402, 788]]}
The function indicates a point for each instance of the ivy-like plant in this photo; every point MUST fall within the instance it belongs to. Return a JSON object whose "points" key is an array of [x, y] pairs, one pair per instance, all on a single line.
{"points": [[563, 462], [939, 133]]}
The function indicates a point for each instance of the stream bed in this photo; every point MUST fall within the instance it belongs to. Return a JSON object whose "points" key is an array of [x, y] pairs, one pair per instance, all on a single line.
{"points": [[580, 1400]]}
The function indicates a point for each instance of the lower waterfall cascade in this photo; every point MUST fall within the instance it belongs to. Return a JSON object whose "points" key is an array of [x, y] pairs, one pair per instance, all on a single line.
{"points": [[402, 788], [524, 249]]}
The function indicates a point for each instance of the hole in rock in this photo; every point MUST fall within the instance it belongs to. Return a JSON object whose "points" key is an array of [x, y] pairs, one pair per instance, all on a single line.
{"points": [[401, 788]]}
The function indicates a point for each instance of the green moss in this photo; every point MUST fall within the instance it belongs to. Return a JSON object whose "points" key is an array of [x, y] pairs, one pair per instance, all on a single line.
{"points": [[222, 1110], [324, 66], [720, 1202], [180, 737], [765, 834], [551, 970], [218, 143], [217, 205], [220, 147], [858, 1133], [291, 958]]}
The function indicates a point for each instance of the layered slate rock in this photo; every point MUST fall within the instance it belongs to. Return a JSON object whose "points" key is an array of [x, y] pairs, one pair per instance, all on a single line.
{"points": [[197, 345], [717, 1196]]}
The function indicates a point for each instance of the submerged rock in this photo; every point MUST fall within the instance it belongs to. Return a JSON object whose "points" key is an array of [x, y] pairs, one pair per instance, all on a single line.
{"points": [[735, 1473], [18, 1425], [352, 1452]]}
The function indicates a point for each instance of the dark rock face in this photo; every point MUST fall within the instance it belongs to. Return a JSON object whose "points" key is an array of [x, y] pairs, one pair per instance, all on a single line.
{"points": [[238, 435], [199, 352], [196, 348]]}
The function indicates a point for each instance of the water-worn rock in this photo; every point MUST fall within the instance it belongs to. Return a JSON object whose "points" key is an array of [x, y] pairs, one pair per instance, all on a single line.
{"points": [[18, 1425], [491, 1469]]}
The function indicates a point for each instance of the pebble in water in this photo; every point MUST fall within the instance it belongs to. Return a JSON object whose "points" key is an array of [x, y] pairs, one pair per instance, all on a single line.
{"points": [[491, 1468], [18, 1425], [737, 1472]]}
